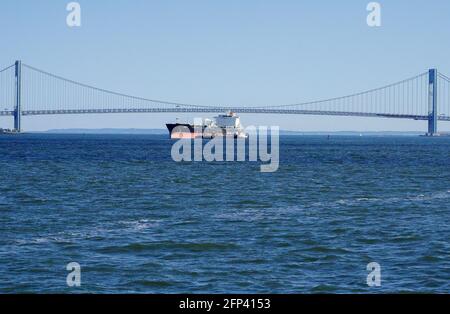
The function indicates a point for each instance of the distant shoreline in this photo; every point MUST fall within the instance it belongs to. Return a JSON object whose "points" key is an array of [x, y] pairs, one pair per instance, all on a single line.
{"points": [[282, 132]]}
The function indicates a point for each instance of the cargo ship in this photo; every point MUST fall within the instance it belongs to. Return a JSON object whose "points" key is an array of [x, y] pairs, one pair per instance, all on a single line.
{"points": [[224, 125]]}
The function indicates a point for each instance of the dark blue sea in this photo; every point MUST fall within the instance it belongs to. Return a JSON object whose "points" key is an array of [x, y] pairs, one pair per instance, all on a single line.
{"points": [[138, 222]]}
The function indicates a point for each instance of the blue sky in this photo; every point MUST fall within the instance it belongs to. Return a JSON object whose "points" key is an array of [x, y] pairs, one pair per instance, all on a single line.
{"points": [[228, 52]]}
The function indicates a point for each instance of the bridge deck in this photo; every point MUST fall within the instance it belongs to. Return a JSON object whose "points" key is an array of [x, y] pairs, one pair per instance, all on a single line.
{"points": [[224, 109]]}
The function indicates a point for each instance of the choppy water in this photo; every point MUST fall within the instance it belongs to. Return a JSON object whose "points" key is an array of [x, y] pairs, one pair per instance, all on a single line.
{"points": [[138, 222]]}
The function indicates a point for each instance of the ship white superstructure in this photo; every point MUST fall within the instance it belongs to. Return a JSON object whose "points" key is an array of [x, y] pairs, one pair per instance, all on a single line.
{"points": [[228, 125]]}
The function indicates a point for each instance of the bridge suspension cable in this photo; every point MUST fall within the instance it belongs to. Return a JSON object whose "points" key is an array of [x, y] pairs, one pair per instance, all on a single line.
{"points": [[7, 90], [443, 96], [50, 92], [408, 96]]}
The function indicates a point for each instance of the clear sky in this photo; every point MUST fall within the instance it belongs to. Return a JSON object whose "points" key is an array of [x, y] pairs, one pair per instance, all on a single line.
{"points": [[237, 52]]}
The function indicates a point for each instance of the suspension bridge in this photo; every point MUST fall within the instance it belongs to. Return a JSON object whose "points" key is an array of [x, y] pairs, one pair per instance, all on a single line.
{"points": [[26, 91]]}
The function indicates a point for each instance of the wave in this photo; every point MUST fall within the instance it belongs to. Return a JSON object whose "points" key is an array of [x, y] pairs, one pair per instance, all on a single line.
{"points": [[388, 200], [92, 233], [151, 246]]}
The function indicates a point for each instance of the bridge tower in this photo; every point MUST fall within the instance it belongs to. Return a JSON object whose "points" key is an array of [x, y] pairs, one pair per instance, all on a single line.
{"points": [[18, 95], [432, 103]]}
